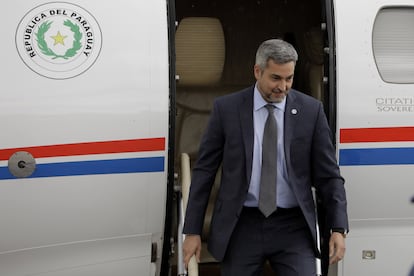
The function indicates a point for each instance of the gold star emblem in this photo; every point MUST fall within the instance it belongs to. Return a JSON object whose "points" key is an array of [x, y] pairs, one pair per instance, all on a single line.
{"points": [[59, 39]]}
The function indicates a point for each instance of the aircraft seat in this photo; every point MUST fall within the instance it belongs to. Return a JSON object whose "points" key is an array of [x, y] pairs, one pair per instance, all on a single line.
{"points": [[200, 57]]}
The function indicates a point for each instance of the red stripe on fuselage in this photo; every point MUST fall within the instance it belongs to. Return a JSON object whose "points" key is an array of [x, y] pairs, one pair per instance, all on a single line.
{"points": [[121, 146], [385, 134]]}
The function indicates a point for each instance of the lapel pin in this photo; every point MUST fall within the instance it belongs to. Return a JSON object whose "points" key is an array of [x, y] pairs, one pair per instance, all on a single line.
{"points": [[294, 111]]}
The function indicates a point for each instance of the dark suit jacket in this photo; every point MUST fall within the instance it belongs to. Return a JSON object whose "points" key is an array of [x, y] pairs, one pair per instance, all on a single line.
{"points": [[228, 140]]}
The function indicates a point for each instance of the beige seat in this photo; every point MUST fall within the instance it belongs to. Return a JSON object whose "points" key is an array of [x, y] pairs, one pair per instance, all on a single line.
{"points": [[199, 51], [199, 64], [200, 54]]}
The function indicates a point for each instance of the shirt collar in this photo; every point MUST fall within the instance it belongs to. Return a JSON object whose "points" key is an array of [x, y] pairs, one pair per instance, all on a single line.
{"points": [[259, 102]]}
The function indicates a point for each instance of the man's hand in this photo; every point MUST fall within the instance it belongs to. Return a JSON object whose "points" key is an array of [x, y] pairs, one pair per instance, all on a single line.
{"points": [[336, 247], [191, 246]]}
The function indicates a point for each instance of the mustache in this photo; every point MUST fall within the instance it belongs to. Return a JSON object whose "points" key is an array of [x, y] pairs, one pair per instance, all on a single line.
{"points": [[277, 90]]}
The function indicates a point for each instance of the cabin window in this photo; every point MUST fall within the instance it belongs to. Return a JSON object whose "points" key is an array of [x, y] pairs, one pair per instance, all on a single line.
{"points": [[393, 44]]}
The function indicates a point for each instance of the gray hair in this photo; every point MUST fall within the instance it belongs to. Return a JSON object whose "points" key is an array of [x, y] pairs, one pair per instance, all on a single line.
{"points": [[278, 50]]}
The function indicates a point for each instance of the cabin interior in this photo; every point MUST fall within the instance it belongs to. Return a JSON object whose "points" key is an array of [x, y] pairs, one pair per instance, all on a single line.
{"points": [[216, 43]]}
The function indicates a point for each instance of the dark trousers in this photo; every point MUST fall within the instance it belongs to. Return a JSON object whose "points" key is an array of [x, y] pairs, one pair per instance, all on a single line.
{"points": [[283, 239]]}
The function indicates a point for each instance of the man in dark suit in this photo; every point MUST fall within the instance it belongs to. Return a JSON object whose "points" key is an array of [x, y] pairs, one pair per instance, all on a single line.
{"points": [[242, 235]]}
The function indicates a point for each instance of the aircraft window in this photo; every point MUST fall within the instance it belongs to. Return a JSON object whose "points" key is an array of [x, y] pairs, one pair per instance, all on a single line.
{"points": [[393, 44]]}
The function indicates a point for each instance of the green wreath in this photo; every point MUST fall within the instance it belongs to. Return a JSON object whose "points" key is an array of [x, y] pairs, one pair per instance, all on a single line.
{"points": [[44, 48]]}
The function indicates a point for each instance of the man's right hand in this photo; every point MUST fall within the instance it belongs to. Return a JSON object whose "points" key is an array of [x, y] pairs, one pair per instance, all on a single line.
{"points": [[191, 246]]}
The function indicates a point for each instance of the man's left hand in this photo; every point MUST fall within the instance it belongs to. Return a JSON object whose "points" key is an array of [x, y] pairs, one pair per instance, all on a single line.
{"points": [[336, 247]]}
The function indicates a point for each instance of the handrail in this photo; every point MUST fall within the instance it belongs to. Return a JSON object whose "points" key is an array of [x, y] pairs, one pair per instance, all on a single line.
{"points": [[318, 262], [192, 269]]}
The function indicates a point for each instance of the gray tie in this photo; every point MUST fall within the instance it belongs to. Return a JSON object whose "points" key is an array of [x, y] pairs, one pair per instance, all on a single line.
{"points": [[267, 195]]}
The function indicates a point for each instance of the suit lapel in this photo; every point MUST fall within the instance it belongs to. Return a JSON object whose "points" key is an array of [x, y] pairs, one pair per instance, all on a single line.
{"points": [[292, 110], [246, 122]]}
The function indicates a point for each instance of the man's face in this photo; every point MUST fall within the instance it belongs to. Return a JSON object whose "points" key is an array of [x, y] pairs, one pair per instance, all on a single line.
{"points": [[275, 81]]}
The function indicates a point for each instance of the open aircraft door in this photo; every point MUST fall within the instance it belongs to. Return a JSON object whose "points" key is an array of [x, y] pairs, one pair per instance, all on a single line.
{"points": [[84, 121], [375, 110]]}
